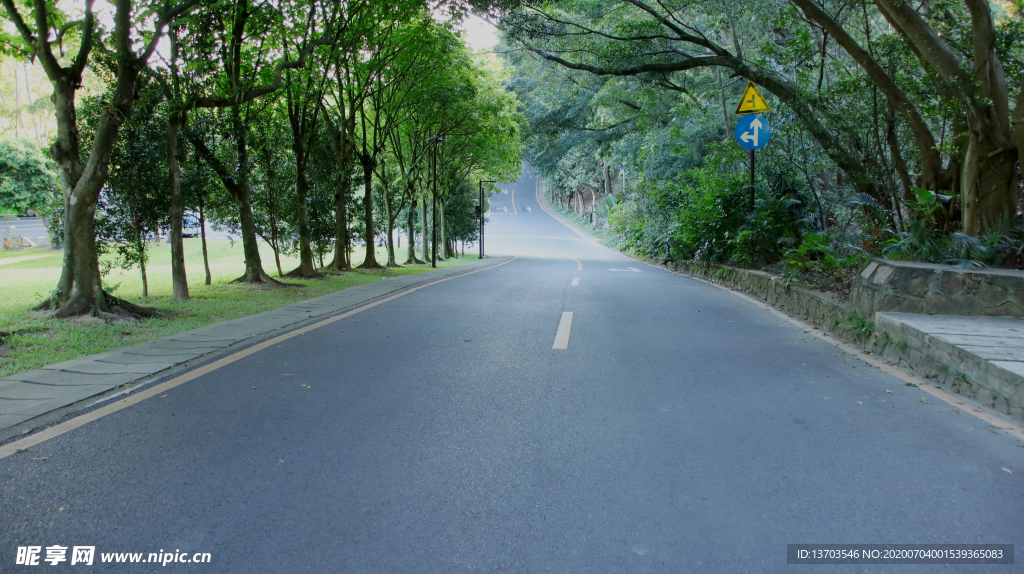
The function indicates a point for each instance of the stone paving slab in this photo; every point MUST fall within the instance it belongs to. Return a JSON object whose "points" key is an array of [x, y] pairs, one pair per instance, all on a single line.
{"points": [[983, 341], [119, 358], [29, 409], [183, 344], [28, 395], [981, 357], [92, 367], [7, 421], [17, 390], [993, 353], [174, 353], [1015, 367], [61, 378]]}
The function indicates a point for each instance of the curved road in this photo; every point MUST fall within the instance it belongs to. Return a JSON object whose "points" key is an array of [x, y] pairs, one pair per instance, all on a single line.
{"points": [[680, 429]]}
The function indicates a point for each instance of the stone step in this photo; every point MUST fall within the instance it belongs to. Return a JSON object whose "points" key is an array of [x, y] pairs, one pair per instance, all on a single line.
{"points": [[979, 357]]}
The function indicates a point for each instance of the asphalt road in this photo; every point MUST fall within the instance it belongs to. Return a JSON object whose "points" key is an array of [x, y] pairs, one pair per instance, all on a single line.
{"points": [[682, 429], [29, 227]]}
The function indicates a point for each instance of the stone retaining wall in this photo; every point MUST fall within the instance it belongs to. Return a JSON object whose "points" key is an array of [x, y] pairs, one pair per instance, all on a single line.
{"points": [[822, 309], [893, 340], [929, 289]]}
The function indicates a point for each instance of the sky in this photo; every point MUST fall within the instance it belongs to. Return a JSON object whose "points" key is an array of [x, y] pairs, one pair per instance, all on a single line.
{"points": [[480, 34]]}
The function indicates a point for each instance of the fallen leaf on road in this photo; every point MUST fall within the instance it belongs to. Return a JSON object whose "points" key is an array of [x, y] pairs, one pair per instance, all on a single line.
{"points": [[1008, 470], [947, 452], [279, 460], [42, 458], [164, 397], [959, 403], [859, 403], [888, 391], [254, 387], [925, 402]]}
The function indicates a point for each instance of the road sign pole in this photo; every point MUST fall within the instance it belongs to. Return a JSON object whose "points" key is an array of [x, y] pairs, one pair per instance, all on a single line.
{"points": [[752, 152]]}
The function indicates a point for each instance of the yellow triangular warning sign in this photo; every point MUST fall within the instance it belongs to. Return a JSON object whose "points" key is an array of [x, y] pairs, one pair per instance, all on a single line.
{"points": [[752, 101]]}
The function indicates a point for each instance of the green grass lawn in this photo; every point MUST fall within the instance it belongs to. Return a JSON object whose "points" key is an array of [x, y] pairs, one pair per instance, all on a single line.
{"points": [[45, 341]]}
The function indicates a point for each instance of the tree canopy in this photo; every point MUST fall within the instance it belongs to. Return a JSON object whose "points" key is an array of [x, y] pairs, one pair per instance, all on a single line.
{"points": [[303, 124]]}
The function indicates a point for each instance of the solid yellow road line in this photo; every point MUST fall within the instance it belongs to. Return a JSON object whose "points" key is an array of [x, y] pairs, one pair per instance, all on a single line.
{"points": [[562, 336], [579, 264], [57, 430], [514, 212]]}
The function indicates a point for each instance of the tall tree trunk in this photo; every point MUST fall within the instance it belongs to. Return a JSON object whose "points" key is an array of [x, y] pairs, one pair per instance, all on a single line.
{"points": [[989, 184], [238, 187], [447, 251], [370, 261], [80, 288], [410, 224], [202, 234], [141, 238], [275, 234], [306, 268], [342, 183], [342, 188], [426, 243], [391, 229], [179, 280]]}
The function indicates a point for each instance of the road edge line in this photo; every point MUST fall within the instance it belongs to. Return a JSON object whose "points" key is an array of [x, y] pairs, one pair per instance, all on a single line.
{"points": [[938, 392], [84, 419]]}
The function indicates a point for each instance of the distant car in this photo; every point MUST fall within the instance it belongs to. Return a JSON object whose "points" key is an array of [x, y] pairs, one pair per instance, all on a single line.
{"points": [[190, 225]]}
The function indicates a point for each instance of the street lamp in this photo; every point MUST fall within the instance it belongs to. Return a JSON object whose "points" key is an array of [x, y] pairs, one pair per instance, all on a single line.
{"points": [[434, 141], [480, 212]]}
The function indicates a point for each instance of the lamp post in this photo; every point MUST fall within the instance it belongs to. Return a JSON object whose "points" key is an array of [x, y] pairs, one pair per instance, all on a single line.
{"points": [[480, 212], [434, 141]]}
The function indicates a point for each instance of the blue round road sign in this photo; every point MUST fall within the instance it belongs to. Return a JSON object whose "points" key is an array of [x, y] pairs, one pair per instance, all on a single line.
{"points": [[752, 132]]}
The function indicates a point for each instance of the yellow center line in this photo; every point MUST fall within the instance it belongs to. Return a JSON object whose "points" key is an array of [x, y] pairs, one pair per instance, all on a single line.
{"points": [[514, 212], [57, 430], [579, 264]]}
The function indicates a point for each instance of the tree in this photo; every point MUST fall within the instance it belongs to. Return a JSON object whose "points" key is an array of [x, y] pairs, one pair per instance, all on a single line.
{"points": [[668, 43], [28, 181], [231, 73], [80, 288]]}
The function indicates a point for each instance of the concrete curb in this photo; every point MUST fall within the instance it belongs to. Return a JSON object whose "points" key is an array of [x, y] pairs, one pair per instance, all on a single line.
{"points": [[38, 398]]}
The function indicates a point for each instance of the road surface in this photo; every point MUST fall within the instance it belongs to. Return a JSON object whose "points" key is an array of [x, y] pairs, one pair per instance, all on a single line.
{"points": [[569, 411]]}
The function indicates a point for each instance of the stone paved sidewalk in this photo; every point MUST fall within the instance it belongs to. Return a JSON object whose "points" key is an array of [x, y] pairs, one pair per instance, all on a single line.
{"points": [[28, 395]]}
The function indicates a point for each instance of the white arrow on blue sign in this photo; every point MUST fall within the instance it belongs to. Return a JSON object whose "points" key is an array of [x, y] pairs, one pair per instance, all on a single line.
{"points": [[752, 132]]}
